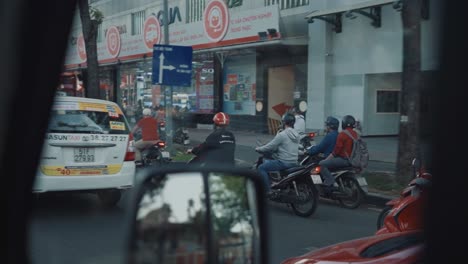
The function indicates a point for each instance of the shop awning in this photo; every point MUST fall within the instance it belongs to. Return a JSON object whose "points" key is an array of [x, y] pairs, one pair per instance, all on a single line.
{"points": [[362, 5], [334, 16], [285, 41]]}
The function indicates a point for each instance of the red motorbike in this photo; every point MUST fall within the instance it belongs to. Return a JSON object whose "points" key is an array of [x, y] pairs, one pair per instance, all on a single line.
{"points": [[405, 212]]}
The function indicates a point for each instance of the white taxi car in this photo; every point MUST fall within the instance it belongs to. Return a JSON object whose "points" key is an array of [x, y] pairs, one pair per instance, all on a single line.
{"points": [[88, 147]]}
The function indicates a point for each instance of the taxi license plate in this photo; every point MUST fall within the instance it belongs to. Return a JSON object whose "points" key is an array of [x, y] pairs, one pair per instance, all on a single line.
{"points": [[83, 154], [316, 179], [165, 154], [362, 181]]}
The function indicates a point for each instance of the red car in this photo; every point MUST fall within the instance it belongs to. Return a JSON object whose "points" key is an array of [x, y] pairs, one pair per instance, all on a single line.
{"points": [[400, 247]]}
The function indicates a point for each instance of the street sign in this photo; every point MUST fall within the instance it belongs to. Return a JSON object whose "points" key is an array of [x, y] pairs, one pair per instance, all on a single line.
{"points": [[172, 65]]}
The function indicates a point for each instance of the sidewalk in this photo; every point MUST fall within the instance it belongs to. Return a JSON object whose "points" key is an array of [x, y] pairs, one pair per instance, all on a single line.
{"points": [[381, 149]]}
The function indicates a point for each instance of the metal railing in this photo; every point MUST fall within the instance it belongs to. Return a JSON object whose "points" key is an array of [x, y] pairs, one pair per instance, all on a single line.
{"points": [[287, 4]]}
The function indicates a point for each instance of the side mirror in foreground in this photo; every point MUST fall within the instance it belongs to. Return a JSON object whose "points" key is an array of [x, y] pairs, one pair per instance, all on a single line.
{"points": [[199, 215]]}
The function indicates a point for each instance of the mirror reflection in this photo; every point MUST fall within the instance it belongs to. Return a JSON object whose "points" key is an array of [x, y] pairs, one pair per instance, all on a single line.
{"points": [[232, 218], [170, 221], [197, 218]]}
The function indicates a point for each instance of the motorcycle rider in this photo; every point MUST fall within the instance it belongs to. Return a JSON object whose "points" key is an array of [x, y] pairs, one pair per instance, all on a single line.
{"points": [[149, 133], [283, 147], [299, 124], [219, 146], [326, 146], [339, 156]]}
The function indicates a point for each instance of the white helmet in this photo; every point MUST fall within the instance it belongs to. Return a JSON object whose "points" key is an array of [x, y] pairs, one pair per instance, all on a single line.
{"points": [[146, 112]]}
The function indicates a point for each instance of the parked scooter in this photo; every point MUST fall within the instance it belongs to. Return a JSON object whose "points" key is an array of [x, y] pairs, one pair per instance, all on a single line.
{"points": [[181, 135], [405, 212], [293, 187], [352, 185]]}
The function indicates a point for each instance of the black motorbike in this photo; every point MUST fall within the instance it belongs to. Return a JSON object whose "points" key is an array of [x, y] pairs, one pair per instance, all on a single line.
{"points": [[352, 186], [154, 155], [181, 135], [293, 187]]}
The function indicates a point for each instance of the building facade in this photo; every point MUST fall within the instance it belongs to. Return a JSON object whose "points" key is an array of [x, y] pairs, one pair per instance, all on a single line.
{"points": [[249, 57], [255, 59]]}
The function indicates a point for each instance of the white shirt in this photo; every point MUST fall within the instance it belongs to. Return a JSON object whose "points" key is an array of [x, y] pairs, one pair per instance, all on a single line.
{"points": [[299, 125]]}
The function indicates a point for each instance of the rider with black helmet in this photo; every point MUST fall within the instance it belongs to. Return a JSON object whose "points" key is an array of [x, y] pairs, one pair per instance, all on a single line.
{"points": [[283, 148], [328, 142], [339, 156]]}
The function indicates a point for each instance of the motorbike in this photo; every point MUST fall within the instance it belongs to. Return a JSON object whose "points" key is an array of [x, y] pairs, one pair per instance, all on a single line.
{"points": [[292, 187], [351, 184], [154, 154], [306, 142], [404, 213], [181, 135]]}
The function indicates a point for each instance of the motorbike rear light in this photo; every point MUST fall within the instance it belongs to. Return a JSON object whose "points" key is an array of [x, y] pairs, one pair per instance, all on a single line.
{"points": [[316, 170], [161, 144], [130, 154], [162, 124], [312, 134]]}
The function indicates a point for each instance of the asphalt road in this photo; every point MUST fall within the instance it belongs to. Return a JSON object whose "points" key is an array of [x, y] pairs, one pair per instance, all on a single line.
{"points": [[75, 228]]}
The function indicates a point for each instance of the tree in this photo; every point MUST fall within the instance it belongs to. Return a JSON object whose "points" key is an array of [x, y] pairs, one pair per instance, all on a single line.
{"points": [[409, 142], [91, 18]]}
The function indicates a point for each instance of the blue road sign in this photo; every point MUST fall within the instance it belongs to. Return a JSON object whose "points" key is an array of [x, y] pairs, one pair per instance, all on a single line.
{"points": [[172, 65]]}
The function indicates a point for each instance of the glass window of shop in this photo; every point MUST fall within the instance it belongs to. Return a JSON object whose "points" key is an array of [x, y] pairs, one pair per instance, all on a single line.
{"points": [[200, 96], [135, 87], [107, 83], [137, 91], [239, 85]]}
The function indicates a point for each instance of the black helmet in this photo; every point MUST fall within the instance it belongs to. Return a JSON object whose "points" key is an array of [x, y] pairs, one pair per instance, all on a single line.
{"points": [[348, 121], [288, 119], [332, 122]]}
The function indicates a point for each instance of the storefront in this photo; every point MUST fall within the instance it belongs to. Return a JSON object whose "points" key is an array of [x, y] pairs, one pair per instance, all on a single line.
{"points": [[239, 58]]}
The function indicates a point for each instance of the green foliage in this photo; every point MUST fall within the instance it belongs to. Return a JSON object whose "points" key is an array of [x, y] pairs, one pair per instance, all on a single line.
{"points": [[229, 202], [96, 15]]}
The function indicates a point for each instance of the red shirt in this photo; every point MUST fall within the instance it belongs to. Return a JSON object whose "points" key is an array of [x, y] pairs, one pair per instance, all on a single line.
{"points": [[149, 128], [344, 144]]}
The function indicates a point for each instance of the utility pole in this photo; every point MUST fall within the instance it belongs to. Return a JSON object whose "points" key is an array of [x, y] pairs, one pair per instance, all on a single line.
{"points": [[409, 143], [167, 89]]}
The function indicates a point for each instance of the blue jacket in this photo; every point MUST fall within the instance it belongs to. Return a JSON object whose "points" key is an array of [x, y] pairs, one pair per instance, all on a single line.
{"points": [[326, 146]]}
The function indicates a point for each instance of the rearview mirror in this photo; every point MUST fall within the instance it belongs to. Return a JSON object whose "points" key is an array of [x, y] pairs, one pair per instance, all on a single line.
{"points": [[199, 215]]}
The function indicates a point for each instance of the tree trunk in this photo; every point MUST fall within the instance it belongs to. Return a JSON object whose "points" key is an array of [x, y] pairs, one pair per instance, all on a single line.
{"points": [[90, 38], [410, 90]]}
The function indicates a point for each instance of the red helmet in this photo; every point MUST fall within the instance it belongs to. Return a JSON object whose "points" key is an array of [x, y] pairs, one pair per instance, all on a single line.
{"points": [[221, 119]]}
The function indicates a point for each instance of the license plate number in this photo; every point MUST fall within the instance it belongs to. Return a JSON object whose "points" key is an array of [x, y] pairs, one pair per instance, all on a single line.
{"points": [[316, 179], [362, 181], [83, 154], [165, 154]]}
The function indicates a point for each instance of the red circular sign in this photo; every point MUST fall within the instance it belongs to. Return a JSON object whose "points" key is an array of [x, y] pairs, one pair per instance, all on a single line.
{"points": [[151, 32], [80, 45], [216, 20], [113, 41]]}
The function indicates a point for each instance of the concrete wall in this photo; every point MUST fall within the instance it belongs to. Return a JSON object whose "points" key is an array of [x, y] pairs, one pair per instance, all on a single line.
{"points": [[361, 49]]}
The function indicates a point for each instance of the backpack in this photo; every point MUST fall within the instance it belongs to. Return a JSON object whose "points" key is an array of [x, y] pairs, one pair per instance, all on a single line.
{"points": [[359, 157]]}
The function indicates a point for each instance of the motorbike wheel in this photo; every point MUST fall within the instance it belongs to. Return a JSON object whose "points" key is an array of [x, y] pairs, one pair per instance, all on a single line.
{"points": [[380, 220], [352, 189], [309, 193]]}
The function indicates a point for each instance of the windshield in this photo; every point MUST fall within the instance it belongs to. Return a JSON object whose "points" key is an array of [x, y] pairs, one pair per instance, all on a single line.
{"points": [[263, 71], [72, 121]]}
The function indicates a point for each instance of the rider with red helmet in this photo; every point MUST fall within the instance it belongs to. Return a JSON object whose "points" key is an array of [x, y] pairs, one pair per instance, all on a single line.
{"points": [[219, 146]]}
